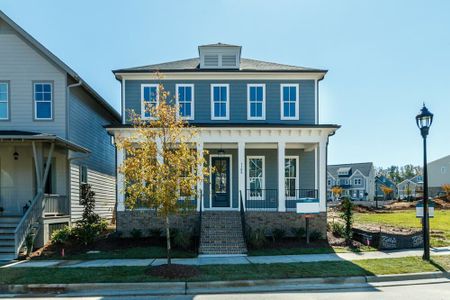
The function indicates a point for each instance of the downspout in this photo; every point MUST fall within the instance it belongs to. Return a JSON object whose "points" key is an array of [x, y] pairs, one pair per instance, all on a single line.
{"points": [[326, 171]]}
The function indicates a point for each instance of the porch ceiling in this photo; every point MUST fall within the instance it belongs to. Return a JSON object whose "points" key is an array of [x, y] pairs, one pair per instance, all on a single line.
{"points": [[15, 136]]}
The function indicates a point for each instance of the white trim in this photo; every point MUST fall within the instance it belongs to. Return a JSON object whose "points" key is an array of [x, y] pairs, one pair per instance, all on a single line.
{"points": [[124, 113], [42, 101], [231, 183], [281, 154], [249, 86], [6, 83], [297, 100], [297, 171], [222, 75], [192, 115], [263, 185], [316, 101], [227, 116], [144, 85]]}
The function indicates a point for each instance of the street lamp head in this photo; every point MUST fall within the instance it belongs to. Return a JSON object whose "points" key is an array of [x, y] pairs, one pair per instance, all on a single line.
{"points": [[424, 120]]}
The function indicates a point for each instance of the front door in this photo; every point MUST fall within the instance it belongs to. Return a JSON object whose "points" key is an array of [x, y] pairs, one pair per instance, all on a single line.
{"points": [[220, 183]]}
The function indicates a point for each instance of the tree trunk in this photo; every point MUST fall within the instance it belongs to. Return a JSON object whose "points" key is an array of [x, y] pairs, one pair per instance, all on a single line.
{"points": [[169, 259]]}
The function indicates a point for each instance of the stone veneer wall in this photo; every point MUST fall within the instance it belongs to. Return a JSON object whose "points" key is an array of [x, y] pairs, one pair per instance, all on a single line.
{"points": [[145, 220], [285, 220]]}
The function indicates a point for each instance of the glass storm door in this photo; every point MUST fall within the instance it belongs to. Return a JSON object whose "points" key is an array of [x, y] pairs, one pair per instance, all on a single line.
{"points": [[220, 183]]}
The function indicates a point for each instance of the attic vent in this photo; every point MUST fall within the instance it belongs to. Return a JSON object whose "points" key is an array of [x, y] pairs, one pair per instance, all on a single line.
{"points": [[212, 60], [228, 60]]}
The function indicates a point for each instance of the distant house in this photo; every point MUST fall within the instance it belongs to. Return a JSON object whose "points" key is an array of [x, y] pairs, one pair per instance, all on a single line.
{"points": [[357, 180], [410, 188], [52, 140], [381, 181], [438, 174]]}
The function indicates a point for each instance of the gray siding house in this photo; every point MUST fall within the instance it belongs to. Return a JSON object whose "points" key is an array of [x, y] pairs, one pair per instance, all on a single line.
{"points": [[438, 174], [259, 122], [356, 180], [52, 138]]}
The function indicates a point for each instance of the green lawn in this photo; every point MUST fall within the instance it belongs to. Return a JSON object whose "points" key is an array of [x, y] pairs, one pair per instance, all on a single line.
{"points": [[134, 252], [407, 219], [227, 272]]}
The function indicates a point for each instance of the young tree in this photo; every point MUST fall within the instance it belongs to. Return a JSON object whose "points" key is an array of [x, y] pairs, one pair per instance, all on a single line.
{"points": [[336, 191], [446, 189], [386, 191], [347, 216], [161, 162]]}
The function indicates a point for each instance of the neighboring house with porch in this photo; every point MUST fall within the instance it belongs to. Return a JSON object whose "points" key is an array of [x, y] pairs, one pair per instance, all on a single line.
{"points": [[356, 180], [381, 181], [410, 188], [438, 174], [52, 139], [260, 123]]}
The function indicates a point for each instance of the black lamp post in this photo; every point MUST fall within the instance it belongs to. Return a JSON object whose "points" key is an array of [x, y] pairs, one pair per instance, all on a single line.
{"points": [[424, 120]]}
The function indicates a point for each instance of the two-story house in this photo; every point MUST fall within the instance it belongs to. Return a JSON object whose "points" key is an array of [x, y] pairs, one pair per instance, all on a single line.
{"points": [[381, 181], [52, 139], [356, 180], [410, 188], [438, 174], [260, 123]]}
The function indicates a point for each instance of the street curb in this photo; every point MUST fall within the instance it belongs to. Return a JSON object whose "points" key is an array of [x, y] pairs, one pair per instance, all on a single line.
{"points": [[185, 288]]}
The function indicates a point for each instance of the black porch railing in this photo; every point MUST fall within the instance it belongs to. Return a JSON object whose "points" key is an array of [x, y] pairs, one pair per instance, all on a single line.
{"points": [[294, 196], [261, 199]]}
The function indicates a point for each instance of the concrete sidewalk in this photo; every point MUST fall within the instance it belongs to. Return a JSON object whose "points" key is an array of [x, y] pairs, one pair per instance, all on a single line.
{"points": [[226, 260]]}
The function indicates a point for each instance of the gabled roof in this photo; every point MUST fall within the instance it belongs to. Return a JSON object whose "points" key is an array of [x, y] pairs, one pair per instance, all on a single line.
{"points": [[219, 44], [193, 65], [25, 35], [364, 168]]}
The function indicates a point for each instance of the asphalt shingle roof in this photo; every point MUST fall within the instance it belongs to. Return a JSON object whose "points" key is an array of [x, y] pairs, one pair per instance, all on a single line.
{"points": [[364, 168], [193, 65]]}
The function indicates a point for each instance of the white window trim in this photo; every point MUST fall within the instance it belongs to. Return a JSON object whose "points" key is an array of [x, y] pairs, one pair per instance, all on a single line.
{"points": [[7, 100], [263, 185], [36, 101], [297, 177], [142, 99], [297, 86], [191, 117], [227, 116], [249, 86], [355, 179]]}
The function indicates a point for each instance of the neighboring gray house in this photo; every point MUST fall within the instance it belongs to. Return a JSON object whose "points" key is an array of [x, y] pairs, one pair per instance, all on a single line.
{"points": [[410, 188], [260, 123], [357, 180], [52, 138], [438, 174]]}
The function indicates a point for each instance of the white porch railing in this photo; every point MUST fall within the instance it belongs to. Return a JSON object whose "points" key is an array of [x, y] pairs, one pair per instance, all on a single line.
{"points": [[30, 219], [55, 205]]}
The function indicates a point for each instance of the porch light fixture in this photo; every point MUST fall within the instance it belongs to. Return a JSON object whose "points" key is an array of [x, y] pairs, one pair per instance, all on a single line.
{"points": [[16, 155], [424, 120], [221, 152]]}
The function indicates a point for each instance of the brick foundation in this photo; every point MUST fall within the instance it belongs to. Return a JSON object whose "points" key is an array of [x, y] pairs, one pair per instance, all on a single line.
{"points": [[145, 220], [285, 220]]}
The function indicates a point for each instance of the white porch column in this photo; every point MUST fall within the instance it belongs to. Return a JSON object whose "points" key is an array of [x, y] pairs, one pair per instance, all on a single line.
{"points": [[281, 183], [241, 171], [200, 173], [120, 182], [322, 174]]}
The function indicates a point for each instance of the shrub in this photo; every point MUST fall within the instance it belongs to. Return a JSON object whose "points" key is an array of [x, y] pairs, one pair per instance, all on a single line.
{"points": [[299, 232], [173, 232], [182, 239], [136, 233], [338, 229], [155, 232], [62, 236], [278, 234], [257, 238], [347, 216], [315, 235]]}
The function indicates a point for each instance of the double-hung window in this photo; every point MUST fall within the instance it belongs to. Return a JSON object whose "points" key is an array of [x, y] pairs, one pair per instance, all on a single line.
{"points": [[4, 101], [255, 177], [43, 101], [256, 102], [185, 100], [149, 100], [220, 102], [289, 101]]}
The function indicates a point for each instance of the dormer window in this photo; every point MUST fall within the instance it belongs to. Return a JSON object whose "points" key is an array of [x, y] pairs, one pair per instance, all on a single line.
{"points": [[220, 56]]}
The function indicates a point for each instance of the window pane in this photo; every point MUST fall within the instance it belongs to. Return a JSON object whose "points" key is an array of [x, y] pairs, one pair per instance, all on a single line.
{"points": [[181, 94], [292, 109], [216, 94], [182, 110], [285, 93], [216, 109], [253, 112], [187, 110], [47, 96], [146, 93], [43, 110], [47, 88], [3, 110], [153, 94], [259, 109], [38, 96], [188, 94], [259, 94], [223, 109], [252, 93], [3, 89], [286, 109], [223, 93], [38, 87], [292, 93]]}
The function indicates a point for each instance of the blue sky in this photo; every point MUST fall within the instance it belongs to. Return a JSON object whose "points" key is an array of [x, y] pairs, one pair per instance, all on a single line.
{"points": [[384, 57]]}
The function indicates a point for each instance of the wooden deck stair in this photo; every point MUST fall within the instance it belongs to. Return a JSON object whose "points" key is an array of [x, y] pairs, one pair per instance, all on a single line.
{"points": [[8, 225]]}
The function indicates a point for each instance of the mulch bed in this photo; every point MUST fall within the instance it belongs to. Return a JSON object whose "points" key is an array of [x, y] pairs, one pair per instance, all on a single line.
{"points": [[173, 271]]}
